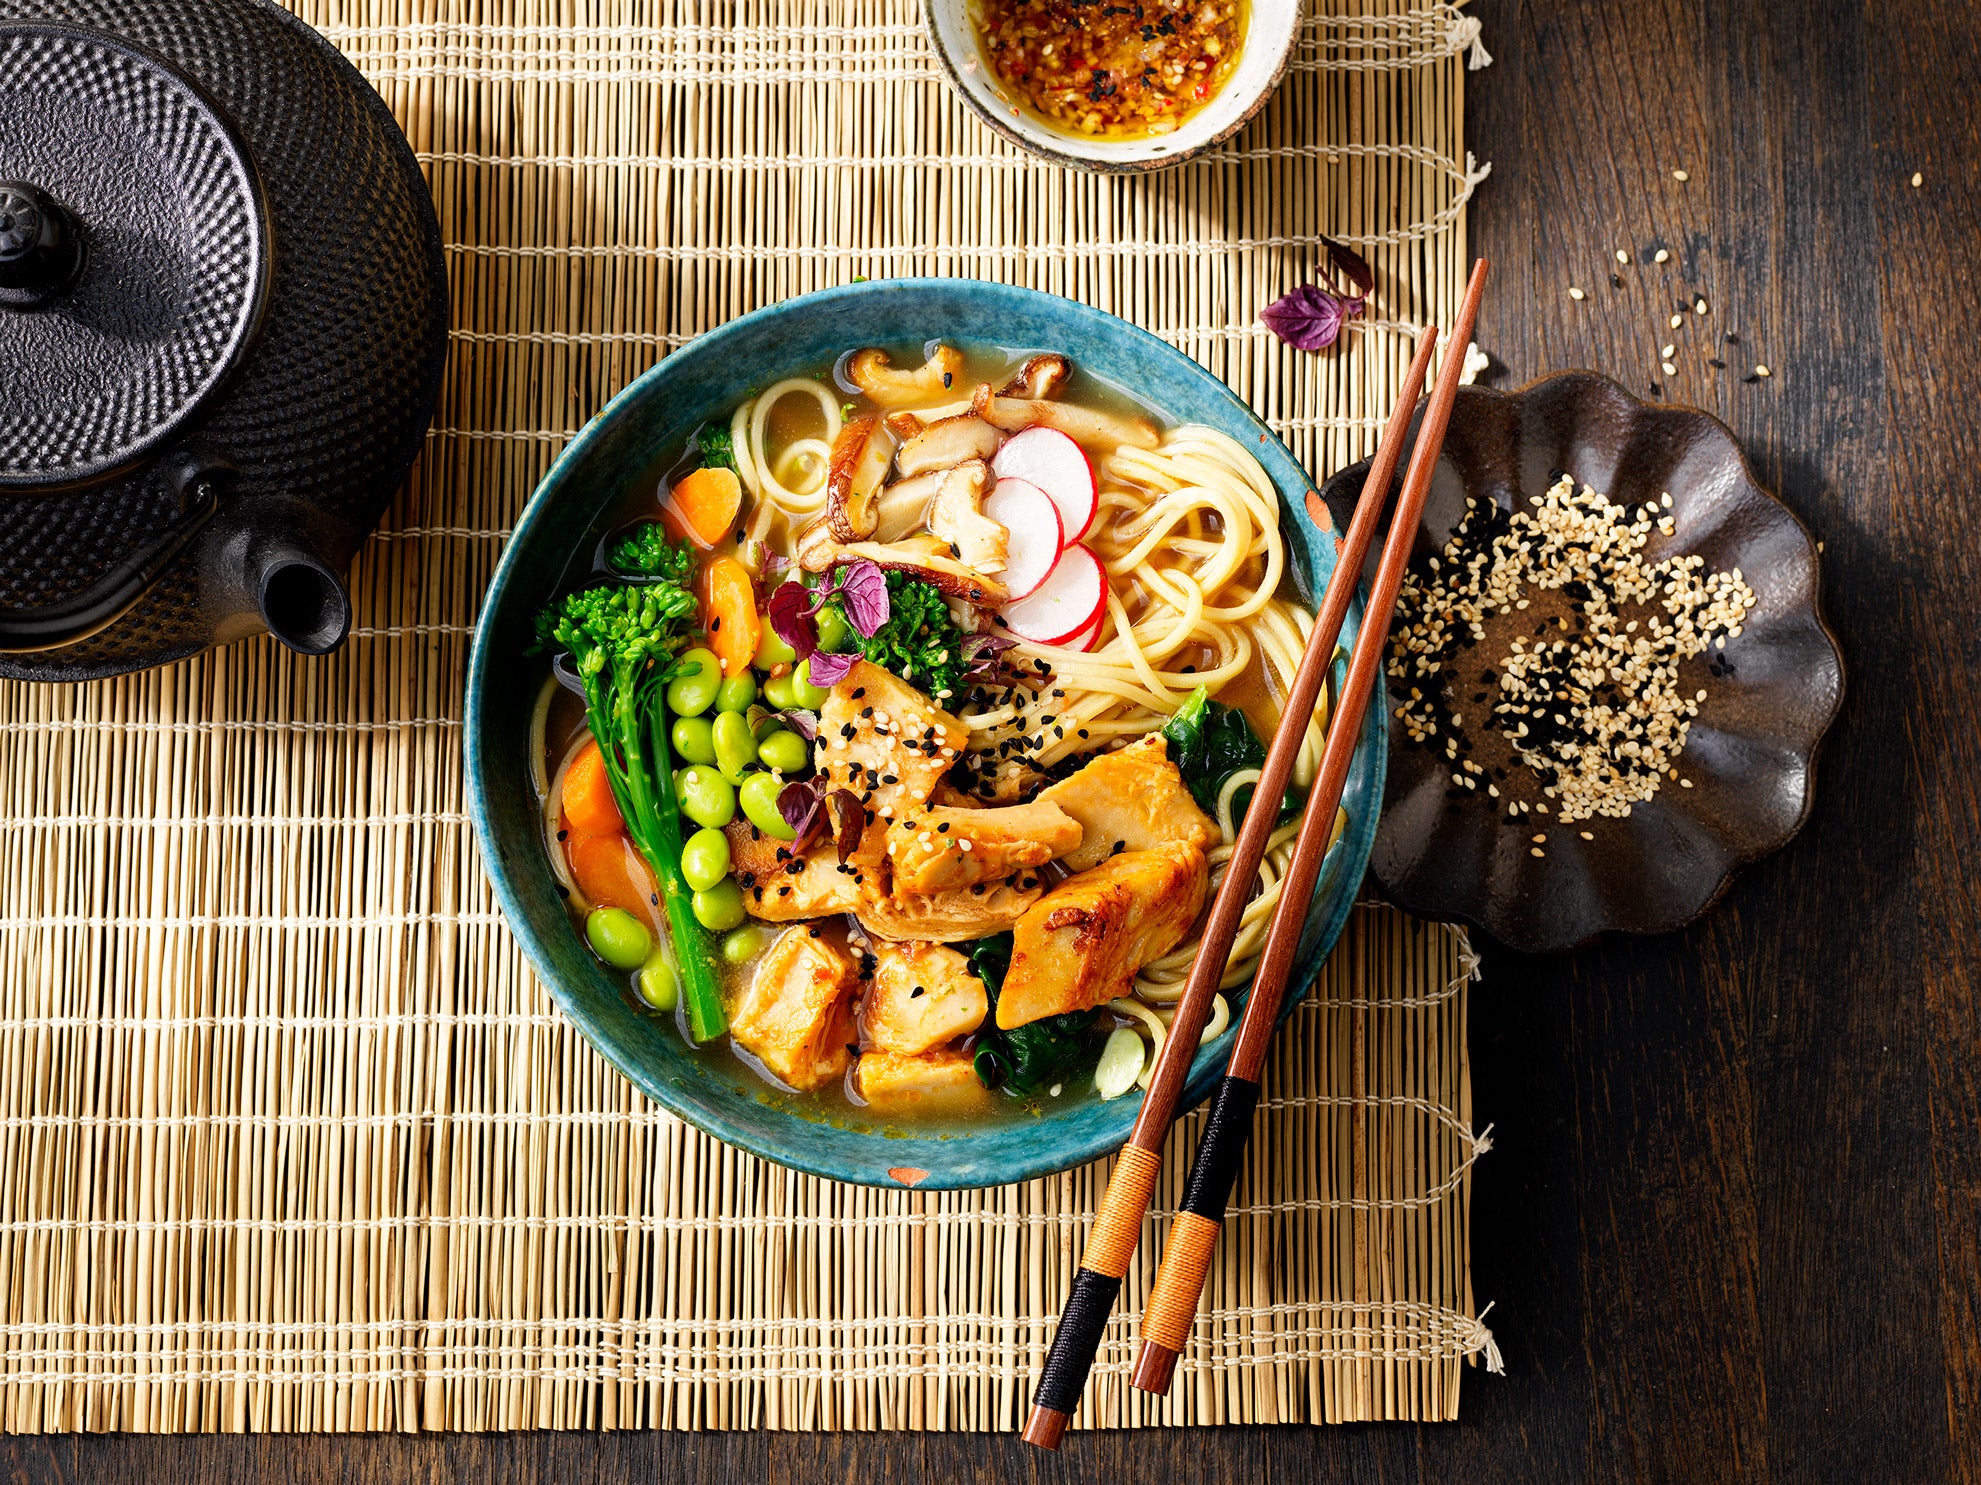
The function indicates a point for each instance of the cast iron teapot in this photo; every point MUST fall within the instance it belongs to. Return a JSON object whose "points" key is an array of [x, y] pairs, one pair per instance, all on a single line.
{"points": [[223, 319]]}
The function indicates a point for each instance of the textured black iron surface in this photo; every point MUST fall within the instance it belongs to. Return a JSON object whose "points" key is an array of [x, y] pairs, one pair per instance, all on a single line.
{"points": [[174, 253], [324, 416]]}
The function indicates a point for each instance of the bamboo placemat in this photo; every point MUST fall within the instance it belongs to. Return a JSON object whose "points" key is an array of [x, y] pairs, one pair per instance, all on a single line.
{"points": [[289, 1136]]}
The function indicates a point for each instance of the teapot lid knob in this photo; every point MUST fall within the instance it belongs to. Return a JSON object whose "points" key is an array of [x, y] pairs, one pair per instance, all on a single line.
{"points": [[40, 249]]}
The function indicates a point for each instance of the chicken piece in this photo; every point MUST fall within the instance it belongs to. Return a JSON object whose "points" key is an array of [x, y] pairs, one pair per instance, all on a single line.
{"points": [[948, 796], [923, 995], [935, 1083], [948, 917], [1084, 941], [797, 1016], [774, 892], [946, 443], [886, 741], [956, 516], [1130, 800], [938, 849]]}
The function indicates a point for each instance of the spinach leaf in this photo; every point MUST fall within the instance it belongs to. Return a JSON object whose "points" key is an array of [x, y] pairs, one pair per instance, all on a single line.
{"points": [[1208, 743], [1028, 1059]]}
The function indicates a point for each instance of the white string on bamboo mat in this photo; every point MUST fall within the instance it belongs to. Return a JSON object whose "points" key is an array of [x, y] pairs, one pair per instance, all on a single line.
{"points": [[289, 1135]]}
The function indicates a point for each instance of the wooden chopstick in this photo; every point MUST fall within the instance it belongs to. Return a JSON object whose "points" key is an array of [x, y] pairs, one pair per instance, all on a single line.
{"points": [[1186, 1259], [1118, 1224]]}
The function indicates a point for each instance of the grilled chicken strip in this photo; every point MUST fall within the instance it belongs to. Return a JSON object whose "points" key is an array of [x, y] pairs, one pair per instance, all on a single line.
{"points": [[1083, 942], [1129, 800]]}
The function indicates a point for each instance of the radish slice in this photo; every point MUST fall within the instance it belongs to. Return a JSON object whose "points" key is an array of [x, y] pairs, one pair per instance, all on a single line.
{"points": [[1087, 639], [1057, 465], [1028, 513], [1065, 604]]}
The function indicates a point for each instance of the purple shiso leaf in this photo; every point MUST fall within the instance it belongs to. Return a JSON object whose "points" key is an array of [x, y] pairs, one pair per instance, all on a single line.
{"points": [[863, 597], [1351, 265], [790, 610], [1310, 317], [849, 819], [800, 805], [805, 724], [829, 669]]}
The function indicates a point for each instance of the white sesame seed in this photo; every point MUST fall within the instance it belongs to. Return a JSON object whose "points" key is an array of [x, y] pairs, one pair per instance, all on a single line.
{"points": [[1677, 320], [1537, 851], [1698, 306], [1622, 256], [1669, 369], [1918, 180], [1680, 176], [1762, 371], [1575, 293], [1661, 256], [1669, 351]]}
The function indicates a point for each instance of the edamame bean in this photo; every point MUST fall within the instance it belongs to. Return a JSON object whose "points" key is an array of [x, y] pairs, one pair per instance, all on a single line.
{"points": [[736, 693], [743, 945], [705, 859], [657, 984], [692, 740], [785, 751], [707, 797], [617, 937], [721, 907], [810, 697], [759, 797], [834, 631], [781, 691], [693, 691], [735, 745], [772, 650]]}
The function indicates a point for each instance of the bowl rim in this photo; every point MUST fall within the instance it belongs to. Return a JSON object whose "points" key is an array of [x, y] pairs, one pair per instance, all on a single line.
{"points": [[483, 672], [1740, 860], [1125, 164]]}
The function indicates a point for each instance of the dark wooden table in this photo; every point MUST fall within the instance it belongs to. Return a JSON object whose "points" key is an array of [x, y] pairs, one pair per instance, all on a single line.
{"points": [[1731, 1224]]}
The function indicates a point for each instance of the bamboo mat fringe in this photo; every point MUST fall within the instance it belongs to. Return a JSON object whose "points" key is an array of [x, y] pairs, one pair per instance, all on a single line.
{"points": [[290, 1137]]}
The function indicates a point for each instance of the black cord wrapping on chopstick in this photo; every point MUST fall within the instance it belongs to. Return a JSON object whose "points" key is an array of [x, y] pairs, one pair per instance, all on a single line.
{"points": [[1081, 1325], [1222, 1150]]}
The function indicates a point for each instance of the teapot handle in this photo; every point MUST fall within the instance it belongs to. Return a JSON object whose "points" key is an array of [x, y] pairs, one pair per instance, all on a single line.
{"points": [[76, 618]]}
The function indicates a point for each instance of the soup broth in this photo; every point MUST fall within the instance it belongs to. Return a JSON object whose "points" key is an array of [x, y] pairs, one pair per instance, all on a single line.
{"points": [[1183, 532]]}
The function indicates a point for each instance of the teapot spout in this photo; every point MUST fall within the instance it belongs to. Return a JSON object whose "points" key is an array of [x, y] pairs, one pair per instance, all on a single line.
{"points": [[301, 599]]}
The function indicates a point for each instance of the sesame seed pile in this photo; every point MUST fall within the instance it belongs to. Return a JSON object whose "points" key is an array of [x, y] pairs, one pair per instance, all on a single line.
{"points": [[1590, 700]]}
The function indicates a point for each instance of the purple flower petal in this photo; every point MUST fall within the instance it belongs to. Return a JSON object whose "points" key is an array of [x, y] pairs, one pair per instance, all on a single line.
{"points": [[863, 597], [1310, 317], [829, 669]]}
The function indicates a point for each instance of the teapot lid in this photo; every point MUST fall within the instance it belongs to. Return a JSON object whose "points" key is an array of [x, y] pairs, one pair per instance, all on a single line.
{"points": [[134, 253]]}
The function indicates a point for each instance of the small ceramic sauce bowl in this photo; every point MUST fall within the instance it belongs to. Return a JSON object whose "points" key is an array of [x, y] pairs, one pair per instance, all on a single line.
{"points": [[1271, 33]]}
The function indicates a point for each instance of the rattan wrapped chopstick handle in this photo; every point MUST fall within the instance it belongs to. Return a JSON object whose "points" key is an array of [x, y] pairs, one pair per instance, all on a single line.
{"points": [[1186, 1262], [1110, 1249]]}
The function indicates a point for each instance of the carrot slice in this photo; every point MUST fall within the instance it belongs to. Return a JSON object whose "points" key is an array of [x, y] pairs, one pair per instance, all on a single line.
{"points": [[612, 874], [707, 502], [729, 613], [588, 803]]}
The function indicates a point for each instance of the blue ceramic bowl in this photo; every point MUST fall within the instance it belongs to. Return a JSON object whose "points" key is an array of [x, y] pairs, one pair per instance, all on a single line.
{"points": [[567, 516]]}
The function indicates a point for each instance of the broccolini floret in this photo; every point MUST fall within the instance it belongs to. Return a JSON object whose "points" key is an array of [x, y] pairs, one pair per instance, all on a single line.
{"points": [[623, 639]]}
